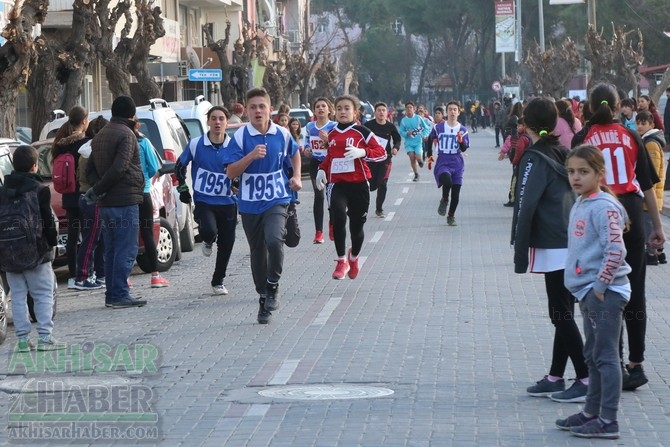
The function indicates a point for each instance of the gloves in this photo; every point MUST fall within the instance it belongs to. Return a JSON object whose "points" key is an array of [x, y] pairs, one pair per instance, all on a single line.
{"points": [[321, 181], [91, 197], [184, 195], [352, 153]]}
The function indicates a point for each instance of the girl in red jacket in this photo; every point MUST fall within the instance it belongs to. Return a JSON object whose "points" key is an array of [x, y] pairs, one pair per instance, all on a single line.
{"points": [[346, 172]]}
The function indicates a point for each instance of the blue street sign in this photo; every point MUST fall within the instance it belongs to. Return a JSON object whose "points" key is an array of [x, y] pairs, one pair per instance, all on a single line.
{"points": [[205, 74]]}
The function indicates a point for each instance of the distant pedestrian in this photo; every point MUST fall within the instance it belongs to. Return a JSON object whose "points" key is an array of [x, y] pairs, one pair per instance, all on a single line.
{"points": [[543, 198], [237, 115], [215, 203], [498, 121], [596, 274], [257, 154], [645, 103], [36, 275]]}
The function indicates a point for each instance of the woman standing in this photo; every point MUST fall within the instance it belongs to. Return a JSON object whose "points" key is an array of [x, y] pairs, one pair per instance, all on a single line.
{"points": [[645, 103], [543, 199]]}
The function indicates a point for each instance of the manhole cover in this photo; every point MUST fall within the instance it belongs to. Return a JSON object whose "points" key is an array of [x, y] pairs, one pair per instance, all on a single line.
{"points": [[325, 392], [56, 384]]}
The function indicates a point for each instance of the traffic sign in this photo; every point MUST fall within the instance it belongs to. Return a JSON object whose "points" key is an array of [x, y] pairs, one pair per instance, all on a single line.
{"points": [[205, 74], [496, 86]]}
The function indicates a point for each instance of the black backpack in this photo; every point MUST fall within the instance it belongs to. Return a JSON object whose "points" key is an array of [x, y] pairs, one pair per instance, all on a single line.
{"points": [[20, 230]]}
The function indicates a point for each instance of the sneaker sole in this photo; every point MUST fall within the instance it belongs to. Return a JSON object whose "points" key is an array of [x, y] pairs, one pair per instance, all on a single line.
{"points": [[543, 394], [123, 306], [573, 400], [633, 385], [80, 288], [51, 348], [264, 320], [158, 286], [342, 277], [596, 435], [317, 242]]}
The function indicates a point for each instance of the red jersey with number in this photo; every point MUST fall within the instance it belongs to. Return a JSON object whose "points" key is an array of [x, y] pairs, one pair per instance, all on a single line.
{"points": [[337, 167], [621, 152]]}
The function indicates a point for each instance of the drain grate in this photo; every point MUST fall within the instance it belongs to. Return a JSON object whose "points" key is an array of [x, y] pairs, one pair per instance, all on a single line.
{"points": [[325, 392]]}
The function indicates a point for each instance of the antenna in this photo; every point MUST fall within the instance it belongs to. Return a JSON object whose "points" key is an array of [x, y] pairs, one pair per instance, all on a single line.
{"points": [[192, 57]]}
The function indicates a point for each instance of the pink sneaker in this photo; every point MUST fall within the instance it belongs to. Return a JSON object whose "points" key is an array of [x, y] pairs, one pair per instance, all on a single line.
{"points": [[159, 281], [341, 269], [353, 266]]}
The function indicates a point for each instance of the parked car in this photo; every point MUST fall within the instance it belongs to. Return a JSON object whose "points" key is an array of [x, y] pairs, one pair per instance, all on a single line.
{"points": [[169, 135], [194, 114], [165, 215]]}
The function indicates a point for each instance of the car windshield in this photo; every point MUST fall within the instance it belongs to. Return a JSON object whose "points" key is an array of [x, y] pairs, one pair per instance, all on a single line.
{"points": [[44, 160]]}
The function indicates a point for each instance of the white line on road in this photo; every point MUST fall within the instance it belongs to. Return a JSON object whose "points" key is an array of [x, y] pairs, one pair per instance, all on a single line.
{"points": [[398, 201], [284, 372], [327, 310], [376, 237], [389, 216], [405, 190]]}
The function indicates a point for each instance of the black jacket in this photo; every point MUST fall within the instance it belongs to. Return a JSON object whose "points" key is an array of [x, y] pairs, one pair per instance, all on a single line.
{"points": [[543, 202], [114, 168], [23, 182]]}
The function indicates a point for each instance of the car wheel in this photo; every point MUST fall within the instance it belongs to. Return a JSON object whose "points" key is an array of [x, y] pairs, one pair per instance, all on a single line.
{"points": [[166, 248], [3, 315], [31, 303], [187, 235]]}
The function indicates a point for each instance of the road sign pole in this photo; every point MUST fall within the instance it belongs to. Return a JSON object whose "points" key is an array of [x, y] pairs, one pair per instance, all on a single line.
{"points": [[204, 90]]}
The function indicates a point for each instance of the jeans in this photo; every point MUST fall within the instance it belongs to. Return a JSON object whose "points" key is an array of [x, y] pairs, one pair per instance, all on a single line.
{"points": [[265, 233], [91, 251], [120, 227], [40, 283], [602, 328]]}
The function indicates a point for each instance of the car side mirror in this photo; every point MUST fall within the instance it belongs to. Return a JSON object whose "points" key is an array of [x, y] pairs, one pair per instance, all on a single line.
{"points": [[167, 168]]}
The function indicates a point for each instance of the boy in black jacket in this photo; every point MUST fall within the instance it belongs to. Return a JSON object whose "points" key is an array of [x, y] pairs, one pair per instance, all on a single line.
{"points": [[39, 281]]}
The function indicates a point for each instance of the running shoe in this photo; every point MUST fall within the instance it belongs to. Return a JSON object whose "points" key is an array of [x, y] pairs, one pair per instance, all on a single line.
{"points": [[546, 387], [264, 315], [596, 428], [341, 269], [206, 249], [158, 281], [442, 207], [25, 345], [575, 394], [219, 289], [451, 221], [48, 343], [575, 420], [271, 297], [380, 214], [353, 266], [636, 378], [416, 177], [318, 238], [87, 284]]}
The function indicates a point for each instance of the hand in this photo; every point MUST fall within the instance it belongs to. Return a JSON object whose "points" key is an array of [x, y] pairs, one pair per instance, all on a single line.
{"points": [[307, 152], [501, 155], [323, 135], [295, 183], [185, 197], [394, 151], [91, 197], [259, 151], [352, 153], [656, 239], [321, 181]]}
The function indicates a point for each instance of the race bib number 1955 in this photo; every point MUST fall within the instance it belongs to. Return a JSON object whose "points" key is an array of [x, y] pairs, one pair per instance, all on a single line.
{"points": [[256, 187]]}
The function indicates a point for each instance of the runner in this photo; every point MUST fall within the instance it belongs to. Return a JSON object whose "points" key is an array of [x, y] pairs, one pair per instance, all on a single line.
{"points": [[316, 145], [215, 205], [414, 129], [347, 172], [388, 136], [451, 139]]}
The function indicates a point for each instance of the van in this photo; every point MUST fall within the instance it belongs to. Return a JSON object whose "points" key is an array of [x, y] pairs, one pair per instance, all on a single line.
{"points": [[194, 114]]}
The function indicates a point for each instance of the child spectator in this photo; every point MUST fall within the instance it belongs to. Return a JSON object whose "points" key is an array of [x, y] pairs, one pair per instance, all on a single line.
{"points": [[596, 274], [513, 148], [24, 185], [654, 142]]}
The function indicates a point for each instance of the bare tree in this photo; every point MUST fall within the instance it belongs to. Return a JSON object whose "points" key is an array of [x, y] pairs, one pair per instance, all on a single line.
{"points": [[616, 61], [149, 29], [16, 56], [552, 70]]}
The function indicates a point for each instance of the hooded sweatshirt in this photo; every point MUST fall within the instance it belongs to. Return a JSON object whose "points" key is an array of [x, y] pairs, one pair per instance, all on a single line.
{"points": [[596, 251], [654, 142]]}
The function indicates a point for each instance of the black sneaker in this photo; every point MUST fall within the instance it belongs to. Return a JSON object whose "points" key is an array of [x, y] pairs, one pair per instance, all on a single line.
{"points": [[420, 163], [264, 316], [127, 302], [662, 258], [636, 378], [442, 207], [576, 393], [575, 420], [509, 204], [272, 297], [596, 428], [652, 259], [546, 387], [416, 177]]}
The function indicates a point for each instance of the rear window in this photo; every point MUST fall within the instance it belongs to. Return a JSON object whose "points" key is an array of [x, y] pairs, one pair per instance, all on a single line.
{"points": [[150, 130], [44, 160], [177, 132], [194, 127]]}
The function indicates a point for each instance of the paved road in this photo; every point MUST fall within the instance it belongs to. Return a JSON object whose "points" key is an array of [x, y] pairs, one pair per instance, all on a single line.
{"points": [[436, 315]]}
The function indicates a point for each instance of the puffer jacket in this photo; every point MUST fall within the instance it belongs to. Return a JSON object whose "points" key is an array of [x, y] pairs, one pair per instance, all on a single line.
{"points": [[114, 169]]}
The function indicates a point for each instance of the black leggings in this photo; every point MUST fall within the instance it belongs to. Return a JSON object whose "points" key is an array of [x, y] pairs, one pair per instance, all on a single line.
{"points": [[379, 181], [147, 231], [318, 207], [217, 223], [353, 200], [73, 228], [567, 338], [447, 186]]}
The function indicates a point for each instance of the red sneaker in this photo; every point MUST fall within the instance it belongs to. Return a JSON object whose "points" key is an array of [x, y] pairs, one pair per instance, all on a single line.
{"points": [[159, 281], [331, 234], [341, 269], [318, 237], [353, 266]]}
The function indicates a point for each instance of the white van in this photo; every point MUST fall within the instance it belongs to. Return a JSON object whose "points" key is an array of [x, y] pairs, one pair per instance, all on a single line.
{"points": [[194, 114]]}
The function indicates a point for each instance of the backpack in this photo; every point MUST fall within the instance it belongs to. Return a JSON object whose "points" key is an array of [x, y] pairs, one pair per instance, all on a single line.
{"points": [[20, 230], [63, 173]]}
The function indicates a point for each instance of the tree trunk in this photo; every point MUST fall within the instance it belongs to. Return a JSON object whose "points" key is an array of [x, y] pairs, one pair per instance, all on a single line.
{"points": [[424, 68], [43, 89]]}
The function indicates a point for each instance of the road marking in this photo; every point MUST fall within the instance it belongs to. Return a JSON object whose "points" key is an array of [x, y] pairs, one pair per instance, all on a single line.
{"points": [[405, 190], [376, 237], [398, 201], [327, 311], [361, 261], [258, 410], [389, 216], [284, 372]]}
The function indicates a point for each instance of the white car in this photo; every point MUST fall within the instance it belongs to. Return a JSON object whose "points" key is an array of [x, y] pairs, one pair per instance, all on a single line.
{"points": [[194, 114]]}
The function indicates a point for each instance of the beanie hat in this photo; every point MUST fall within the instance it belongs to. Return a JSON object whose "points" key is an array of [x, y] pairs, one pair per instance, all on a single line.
{"points": [[238, 108], [123, 107]]}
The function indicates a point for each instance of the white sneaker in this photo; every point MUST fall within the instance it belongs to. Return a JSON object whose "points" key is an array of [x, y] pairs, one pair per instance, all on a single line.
{"points": [[71, 283], [219, 290], [206, 249]]}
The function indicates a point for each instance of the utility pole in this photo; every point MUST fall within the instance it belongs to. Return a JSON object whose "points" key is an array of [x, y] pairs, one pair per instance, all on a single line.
{"points": [[540, 9], [591, 12]]}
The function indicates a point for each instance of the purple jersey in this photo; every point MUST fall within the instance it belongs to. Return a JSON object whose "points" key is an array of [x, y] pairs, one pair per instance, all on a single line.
{"points": [[449, 152]]}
